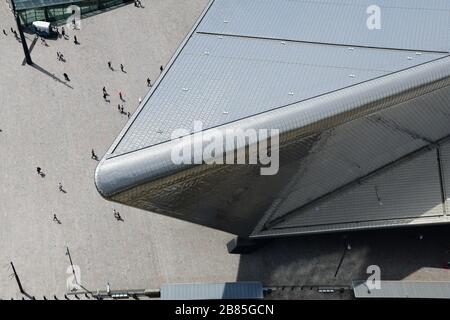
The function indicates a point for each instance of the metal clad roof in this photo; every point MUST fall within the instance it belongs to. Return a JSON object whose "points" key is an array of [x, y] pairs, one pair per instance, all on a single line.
{"points": [[218, 80], [414, 25], [345, 109], [403, 290], [237, 290]]}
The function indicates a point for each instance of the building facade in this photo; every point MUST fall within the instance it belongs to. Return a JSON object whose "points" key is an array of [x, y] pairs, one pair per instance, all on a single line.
{"points": [[60, 10]]}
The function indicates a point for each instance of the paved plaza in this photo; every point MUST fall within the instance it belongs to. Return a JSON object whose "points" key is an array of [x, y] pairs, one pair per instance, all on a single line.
{"points": [[53, 124]]}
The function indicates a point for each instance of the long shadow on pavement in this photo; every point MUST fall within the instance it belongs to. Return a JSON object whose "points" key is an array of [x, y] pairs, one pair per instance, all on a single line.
{"points": [[51, 75]]}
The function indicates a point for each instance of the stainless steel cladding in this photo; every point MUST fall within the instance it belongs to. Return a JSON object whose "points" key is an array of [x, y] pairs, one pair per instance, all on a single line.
{"points": [[362, 119]]}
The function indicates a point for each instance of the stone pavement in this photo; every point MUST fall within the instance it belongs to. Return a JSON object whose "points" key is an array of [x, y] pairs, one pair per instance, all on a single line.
{"points": [[54, 125], [48, 123]]}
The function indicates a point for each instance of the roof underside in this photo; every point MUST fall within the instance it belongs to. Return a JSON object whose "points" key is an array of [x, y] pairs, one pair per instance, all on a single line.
{"points": [[249, 57]]}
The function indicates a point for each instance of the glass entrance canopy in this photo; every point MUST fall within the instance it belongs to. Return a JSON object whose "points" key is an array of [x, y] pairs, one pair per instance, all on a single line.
{"points": [[59, 10]]}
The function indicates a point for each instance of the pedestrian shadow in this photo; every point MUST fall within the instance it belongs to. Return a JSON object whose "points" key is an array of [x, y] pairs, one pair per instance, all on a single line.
{"points": [[51, 75], [28, 295], [42, 175]]}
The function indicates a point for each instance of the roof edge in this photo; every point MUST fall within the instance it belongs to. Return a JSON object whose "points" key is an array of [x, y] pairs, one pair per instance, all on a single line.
{"points": [[120, 173]]}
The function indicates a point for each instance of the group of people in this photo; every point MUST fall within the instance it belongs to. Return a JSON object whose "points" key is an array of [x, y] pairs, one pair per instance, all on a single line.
{"points": [[120, 107], [94, 156], [14, 32]]}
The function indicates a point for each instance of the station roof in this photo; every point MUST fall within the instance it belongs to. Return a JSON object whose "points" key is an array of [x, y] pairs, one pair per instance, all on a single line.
{"points": [[355, 107], [245, 58]]}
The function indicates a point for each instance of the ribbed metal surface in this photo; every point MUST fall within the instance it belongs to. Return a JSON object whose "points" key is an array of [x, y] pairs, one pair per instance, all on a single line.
{"points": [[344, 113], [352, 226], [409, 190], [403, 290], [413, 25], [357, 148], [220, 79], [227, 291], [215, 196]]}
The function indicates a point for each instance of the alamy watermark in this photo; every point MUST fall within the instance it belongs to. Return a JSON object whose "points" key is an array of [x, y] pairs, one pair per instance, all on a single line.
{"points": [[231, 147], [74, 20], [374, 20], [374, 280]]}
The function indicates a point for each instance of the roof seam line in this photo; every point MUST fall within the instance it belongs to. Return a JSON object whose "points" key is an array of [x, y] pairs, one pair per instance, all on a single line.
{"points": [[319, 43]]}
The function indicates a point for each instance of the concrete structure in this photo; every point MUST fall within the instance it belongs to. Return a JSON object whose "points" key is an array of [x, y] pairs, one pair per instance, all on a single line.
{"points": [[362, 112]]}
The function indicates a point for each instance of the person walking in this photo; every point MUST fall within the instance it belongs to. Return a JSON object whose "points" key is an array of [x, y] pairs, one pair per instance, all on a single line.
{"points": [[75, 40], [93, 155], [39, 170], [149, 82], [63, 32], [161, 69], [122, 68], [66, 77], [4, 32], [117, 215], [120, 95], [105, 94], [60, 187], [110, 65], [55, 218]]}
